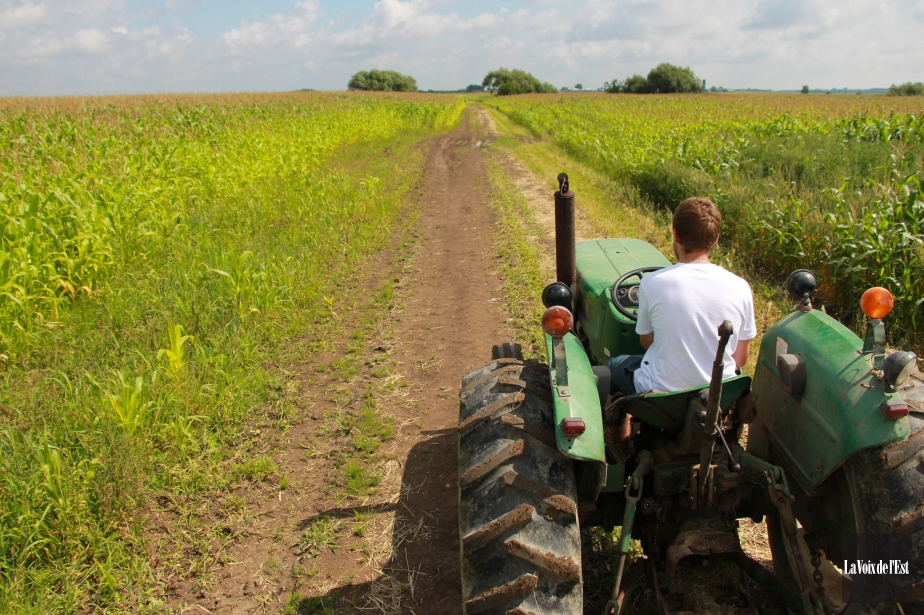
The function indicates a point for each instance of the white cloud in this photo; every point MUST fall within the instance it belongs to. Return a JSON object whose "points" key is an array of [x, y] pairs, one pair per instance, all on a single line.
{"points": [[290, 29], [21, 15], [91, 41], [778, 14], [41, 47]]}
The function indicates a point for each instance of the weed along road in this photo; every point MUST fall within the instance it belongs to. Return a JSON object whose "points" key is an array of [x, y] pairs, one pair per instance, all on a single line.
{"points": [[394, 547]]}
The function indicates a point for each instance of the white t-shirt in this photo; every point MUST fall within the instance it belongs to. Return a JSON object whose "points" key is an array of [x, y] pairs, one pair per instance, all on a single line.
{"points": [[683, 305]]}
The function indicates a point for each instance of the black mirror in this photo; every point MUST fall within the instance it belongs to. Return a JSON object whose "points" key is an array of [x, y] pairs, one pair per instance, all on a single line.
{"points": [[800, 283], [557, 293]]}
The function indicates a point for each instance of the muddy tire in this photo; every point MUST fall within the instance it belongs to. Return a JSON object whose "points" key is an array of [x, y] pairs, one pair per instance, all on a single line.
{"points": [[520, 541], [876, 498]]}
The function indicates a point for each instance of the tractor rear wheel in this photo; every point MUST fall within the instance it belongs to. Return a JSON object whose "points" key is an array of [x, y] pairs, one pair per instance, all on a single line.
{"points": [[869, 498], [520, 541]]}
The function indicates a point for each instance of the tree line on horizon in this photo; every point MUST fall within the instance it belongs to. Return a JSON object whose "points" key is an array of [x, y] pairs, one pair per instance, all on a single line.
{"points": [[906, 89], [665, 78]]}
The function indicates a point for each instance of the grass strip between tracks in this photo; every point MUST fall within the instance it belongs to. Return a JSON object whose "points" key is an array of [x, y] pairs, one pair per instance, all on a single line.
{"points": [[520, 259]]}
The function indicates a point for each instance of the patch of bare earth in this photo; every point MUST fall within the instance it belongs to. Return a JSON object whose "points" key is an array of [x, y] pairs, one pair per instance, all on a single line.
{"points": [[388, 541]]}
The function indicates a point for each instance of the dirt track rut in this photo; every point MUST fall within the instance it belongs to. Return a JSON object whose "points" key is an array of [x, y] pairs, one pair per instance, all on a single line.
{"points": [[456, 315]]}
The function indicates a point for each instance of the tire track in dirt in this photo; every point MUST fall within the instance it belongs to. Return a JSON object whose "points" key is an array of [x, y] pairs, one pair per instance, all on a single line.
{"points": [[456, 315], [448, 310]]}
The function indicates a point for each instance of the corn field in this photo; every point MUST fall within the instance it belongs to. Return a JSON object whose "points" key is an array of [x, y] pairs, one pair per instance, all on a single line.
{"points": [[153, 253], [833, 184], [82, 191]]}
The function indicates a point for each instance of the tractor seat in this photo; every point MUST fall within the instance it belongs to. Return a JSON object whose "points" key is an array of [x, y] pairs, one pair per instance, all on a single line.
{"points": [[669, 410]]}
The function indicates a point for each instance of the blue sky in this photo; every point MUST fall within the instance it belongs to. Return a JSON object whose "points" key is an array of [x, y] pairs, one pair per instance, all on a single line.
{"points": [[58, 47]]}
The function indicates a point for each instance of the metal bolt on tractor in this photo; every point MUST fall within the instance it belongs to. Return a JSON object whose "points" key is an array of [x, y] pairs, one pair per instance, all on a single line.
{"points": [[834, 453]]}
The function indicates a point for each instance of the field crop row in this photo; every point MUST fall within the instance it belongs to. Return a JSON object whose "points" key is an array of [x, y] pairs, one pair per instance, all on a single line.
{"points": [[155, 256], [82, 191], [830, 184]]}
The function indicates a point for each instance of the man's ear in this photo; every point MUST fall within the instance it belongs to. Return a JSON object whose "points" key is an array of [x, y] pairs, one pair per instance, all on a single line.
{"points": [[676, 236]]}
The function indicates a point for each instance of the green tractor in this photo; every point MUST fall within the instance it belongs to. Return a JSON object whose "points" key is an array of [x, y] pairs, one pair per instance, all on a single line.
{"points": [[833, 460]]}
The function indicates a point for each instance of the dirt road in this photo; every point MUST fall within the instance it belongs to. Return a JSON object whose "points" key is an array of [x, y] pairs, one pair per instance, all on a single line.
{"points": [[398, 550]]}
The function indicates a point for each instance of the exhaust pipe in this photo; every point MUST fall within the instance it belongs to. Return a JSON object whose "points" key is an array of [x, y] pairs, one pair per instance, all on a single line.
{"points": [[564, 232]]}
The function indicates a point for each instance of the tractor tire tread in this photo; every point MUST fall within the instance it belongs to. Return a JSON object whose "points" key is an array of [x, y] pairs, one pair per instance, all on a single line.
{"points": [[518, 525]]}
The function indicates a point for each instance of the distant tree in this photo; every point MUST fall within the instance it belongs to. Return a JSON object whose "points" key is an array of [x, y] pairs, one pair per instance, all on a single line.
{"points": [[579, 86], [636, 84], [906, 89], [805, 89], [382, 81], [667, 79], [507, 82], [475, 88], [510, 88], [664, 79]]}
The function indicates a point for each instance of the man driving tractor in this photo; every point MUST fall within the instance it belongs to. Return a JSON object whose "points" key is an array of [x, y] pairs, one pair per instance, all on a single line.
{"points": [[680, 308]]}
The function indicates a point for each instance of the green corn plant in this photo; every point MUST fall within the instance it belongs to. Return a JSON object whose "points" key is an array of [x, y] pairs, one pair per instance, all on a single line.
{"points": [[175, 353], [245, 282], [128, 406]]}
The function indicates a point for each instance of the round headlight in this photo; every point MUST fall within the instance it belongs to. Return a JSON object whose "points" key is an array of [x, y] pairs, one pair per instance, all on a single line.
{"points": [[801, 282], [898, 366]]}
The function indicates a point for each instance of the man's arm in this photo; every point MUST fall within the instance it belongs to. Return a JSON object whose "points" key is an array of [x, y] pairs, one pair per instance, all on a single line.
{"points": [[741, 354], [648, 338]]}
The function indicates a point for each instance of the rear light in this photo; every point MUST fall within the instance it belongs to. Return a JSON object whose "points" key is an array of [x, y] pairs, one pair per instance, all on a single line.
{"points": [[557, 321], [572, 427], [894, 409], [877, 302]]}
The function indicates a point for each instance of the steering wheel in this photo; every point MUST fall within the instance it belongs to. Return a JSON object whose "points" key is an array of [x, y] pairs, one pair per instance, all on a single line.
{"points": [[629, 295]]}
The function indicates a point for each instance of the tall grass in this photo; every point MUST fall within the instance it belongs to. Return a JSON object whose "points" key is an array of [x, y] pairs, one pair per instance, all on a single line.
{"points": [[834, 185], [154, 256]]}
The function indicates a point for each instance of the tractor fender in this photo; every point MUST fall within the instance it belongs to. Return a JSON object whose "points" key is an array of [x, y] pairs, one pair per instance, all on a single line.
{"points": [[579, 398], [836, 414]]}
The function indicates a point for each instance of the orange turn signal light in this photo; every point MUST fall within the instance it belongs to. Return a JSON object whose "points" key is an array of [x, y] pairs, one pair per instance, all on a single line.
{"points": [[557, 321], [877, 302]]}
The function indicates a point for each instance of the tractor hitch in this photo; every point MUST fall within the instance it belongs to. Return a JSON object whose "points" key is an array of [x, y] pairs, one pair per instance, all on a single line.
{"points": [[702, 472], [636, 481]]}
